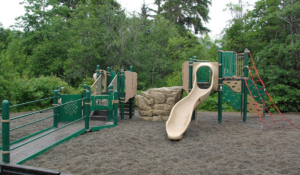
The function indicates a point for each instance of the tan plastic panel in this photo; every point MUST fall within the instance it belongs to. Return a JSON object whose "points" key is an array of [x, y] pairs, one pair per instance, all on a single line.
{"points": [[134, 83], [185, 76], [104, 82], [130, 84], [182, 111], [114, 82], [251, 107], [236, 86]]}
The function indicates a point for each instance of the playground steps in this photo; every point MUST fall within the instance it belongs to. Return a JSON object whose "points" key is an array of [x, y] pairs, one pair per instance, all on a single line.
{"points": [[127, 107], [99, 115], [38, 145]]}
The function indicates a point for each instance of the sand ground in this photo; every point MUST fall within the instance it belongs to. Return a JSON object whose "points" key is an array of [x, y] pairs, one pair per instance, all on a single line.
{"points": [[141, 147]]}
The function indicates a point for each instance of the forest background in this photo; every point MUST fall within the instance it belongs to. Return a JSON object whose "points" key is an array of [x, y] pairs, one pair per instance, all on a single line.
{"points": [[63, 40]]}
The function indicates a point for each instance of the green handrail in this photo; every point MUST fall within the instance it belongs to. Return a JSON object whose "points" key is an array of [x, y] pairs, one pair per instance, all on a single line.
{"points": [[46, 134], [44, 110], [30, 102], [31, 123]]}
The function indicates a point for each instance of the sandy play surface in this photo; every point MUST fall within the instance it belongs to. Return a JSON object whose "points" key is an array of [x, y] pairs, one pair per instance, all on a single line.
{"points": [[141, 147]]}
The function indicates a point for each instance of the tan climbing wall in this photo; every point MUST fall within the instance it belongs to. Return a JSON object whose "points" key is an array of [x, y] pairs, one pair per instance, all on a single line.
{"points": [[251, 107], [236, 86]]}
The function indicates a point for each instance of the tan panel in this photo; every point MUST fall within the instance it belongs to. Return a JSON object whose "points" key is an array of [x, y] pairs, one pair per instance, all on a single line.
{"points": [[251, 107], [130, 85], [95, 88], [236, 86], [114, 82], [134, 83], [185, 76]]}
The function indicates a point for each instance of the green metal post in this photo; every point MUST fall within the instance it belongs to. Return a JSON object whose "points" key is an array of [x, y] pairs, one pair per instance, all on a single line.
{"points": [[116, 108], [220, 86], [109, 113], [194, 112], [242, 96], [130, 100], [5, 132], [245, 89], [84, 95], [98, 74], [122, 98], [108, 78], [56, 109], [87, 106]]}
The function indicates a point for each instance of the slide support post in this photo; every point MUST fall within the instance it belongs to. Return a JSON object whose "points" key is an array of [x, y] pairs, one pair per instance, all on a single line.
{"points": [[220, 89]]}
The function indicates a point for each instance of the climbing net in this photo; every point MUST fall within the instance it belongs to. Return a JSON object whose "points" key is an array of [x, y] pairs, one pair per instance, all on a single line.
{"points": [[272, 114]]}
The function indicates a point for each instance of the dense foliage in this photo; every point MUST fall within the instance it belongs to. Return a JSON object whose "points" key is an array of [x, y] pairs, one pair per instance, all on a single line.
{"points": [[271, 32], [63, 41]]}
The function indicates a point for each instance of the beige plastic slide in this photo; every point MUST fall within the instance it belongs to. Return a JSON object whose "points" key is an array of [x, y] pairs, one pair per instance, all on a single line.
{"points": [[182, 111]]}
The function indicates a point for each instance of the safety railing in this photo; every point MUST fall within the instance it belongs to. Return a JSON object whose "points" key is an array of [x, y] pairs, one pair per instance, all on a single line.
{"points": [[6, 121], [6, 111]]}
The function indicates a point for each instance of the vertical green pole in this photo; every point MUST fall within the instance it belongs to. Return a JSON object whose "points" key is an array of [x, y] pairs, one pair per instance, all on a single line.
{"points": [[87, 106], [56, 109], [98, 74], [84, 96], [122, 98], [116, 108], [191, 81], [130, 100], [5, 132], [109, 111], [108, 78], [194, 112], [220, 86], [245, 89], [242, 97], [118, 83]]}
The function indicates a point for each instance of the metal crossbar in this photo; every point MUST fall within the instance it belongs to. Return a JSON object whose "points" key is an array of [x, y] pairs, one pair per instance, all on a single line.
{"points": [[31, 123], [25, 115], [30, 102], [47, 134]]}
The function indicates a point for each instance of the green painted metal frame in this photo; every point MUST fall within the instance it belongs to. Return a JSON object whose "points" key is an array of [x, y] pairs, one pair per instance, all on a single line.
{"points": [[220, 88], [228, 64], [95, 107], [5, 130], [203, 74], [245, 89], [122, 95], [71, 111]]}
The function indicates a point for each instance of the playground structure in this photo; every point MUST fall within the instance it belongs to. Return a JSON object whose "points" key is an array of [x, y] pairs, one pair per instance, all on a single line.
{"points": [[229, 77], [71, 115]]}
